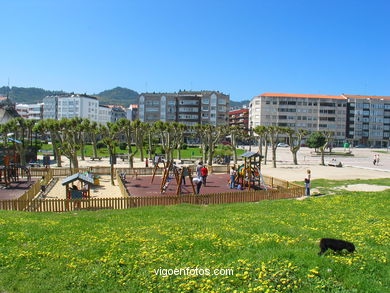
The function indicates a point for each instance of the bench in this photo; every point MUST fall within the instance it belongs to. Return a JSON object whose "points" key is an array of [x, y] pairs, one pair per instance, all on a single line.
{"points": [[187, 161], [96, 158]]}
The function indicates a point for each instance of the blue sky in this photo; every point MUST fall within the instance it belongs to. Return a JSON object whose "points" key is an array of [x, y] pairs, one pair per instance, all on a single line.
{"points": [[242, 48]]}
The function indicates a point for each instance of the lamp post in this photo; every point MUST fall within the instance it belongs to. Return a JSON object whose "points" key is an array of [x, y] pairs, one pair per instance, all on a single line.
{"points": [[250, 136]]}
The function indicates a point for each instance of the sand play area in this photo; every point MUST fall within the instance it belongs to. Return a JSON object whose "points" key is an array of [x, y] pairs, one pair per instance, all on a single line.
{"points": [[103, 190]]}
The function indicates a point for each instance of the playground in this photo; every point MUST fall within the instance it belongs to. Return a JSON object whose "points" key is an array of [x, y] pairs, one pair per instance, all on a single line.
{"points": [[15, 179], [182, 180]]}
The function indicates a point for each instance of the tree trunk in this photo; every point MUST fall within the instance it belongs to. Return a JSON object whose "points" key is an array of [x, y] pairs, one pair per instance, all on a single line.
{"points": [[260, 146], [94, 149], [210, 154], [322, 156], [179, 153], [266, 152], [204, 154], [141, 149], [75, 161], [274, 156], [82, 149], [295, 160], [112, 173], [235, 155]]}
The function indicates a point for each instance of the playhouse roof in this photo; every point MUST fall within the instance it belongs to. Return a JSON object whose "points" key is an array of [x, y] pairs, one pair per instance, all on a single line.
{"points": [[251, 155], [77, 176]]}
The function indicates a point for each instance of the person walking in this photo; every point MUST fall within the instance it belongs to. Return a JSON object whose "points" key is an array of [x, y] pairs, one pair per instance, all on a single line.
{"points": [[374, 161], [204, 172], [198, 182], [232, 177], [377, 160]]}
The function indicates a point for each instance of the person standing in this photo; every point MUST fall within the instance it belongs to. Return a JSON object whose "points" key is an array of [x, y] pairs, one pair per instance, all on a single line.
{"points": [[307, 187], [232, 177], [204, 173], [198, 168], [185, 173], [43, 186], [374, 161]]}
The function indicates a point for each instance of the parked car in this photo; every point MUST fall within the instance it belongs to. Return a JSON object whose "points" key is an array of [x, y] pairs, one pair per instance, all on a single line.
{"points": [[361, 146], [283, 145]]}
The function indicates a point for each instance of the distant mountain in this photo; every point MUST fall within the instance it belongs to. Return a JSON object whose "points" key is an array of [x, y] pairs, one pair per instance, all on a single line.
{"points": [[118, 96], [239, 104], [28, 95]]}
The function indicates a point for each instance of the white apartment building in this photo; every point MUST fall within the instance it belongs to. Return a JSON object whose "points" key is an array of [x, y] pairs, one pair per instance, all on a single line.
{"points": [[310, 112], [70, 106], [30, 111], [104, 114]]}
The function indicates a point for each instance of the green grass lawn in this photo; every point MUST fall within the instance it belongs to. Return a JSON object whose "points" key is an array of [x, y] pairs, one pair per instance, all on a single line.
{"points": [[269, 245], [103, 152]]}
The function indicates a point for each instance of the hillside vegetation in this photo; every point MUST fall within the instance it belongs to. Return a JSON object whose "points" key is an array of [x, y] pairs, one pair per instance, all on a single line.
{"points": [[116, 96], [271, 245]]}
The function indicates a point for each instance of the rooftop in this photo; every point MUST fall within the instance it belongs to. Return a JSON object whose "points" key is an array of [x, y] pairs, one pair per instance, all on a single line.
{"points": [[366, 97], [302, 96]]}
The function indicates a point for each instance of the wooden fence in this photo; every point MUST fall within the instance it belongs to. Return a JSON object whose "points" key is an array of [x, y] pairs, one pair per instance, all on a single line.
{"points": [[63, 205]]}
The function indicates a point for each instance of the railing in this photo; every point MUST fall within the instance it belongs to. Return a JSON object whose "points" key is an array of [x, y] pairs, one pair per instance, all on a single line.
{"points": [[30, 194], [122, 187], [62, 205]]}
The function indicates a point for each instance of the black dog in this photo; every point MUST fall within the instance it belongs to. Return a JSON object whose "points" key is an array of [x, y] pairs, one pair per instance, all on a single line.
{"points": [[336, 245]]}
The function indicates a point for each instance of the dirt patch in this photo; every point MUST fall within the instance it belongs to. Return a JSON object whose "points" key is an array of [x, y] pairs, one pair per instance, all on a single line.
{"points": [[364, 187]]}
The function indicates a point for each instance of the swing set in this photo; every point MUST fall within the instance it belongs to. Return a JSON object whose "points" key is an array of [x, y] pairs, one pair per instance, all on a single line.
{"points": [[173, 172]]}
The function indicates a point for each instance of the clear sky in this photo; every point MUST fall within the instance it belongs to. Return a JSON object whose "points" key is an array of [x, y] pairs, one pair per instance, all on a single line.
{"points": [[243, 48]]}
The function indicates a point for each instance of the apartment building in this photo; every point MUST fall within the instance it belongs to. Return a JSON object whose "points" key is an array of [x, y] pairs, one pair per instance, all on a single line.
{"points": [[368, 120], [30, 111], [70, 106], [104, 114], [187, 107], [310, 112], [117, 112], [132, 112], [239, 118], [50, 107]]}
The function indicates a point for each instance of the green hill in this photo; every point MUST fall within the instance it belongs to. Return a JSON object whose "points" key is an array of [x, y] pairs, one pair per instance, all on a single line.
{"points": [[271, 245], [29, 95], [118, 96]]}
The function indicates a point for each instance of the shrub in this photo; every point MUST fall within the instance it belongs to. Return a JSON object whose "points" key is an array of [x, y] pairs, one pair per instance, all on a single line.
{"points": [[100, 145], [122, 146]]}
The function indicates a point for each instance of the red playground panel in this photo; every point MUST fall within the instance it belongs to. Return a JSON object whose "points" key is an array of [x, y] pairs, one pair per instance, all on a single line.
{"points": [[141, 186]]}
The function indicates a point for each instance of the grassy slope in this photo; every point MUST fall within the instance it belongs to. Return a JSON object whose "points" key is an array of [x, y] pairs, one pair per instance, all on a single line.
{"points": [[268, 244]]}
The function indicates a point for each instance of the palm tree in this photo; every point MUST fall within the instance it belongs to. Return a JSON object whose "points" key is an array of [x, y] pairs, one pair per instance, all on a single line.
{"points": [[295, 141]]}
